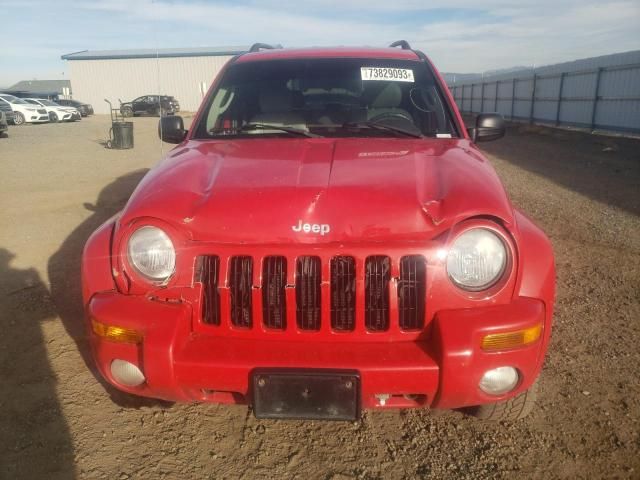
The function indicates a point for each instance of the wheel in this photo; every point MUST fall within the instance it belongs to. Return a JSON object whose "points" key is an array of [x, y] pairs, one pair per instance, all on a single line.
{"points": [[18, 118], [53, 117], [126, 111], [510, 410]]}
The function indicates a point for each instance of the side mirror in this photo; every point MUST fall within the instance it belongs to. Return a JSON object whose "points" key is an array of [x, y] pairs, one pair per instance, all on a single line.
{"points": [[171, 129], [489, 126]]}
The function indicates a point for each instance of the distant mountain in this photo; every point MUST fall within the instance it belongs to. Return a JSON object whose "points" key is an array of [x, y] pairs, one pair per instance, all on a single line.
{"points": [[451, 78], [459, 77], [500, 71]]}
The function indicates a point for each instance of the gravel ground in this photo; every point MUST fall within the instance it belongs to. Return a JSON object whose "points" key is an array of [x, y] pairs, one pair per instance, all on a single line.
{"points": [[58, 421]]}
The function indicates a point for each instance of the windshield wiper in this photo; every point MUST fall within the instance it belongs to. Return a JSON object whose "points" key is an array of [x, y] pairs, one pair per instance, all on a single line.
{"points": [[380, 126], [266, 126], [262, 126]]}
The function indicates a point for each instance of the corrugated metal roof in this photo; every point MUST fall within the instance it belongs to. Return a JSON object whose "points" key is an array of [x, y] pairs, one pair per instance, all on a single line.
{"points": [[40, 86], [155, 53]]}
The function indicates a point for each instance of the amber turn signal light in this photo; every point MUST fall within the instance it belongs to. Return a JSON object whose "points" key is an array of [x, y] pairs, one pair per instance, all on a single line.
{"points": [[116, 334], [519, 338]]}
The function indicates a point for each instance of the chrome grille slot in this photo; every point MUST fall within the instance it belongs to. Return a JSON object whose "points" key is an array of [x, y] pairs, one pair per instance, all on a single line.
{"points": [[412, 288], [343, 293], [274, 280], [240, 287], [207, 273], [376, 285], [308, 294]]}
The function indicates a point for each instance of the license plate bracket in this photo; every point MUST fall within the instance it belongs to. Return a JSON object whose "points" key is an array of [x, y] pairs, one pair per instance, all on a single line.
{"points": [[306, 394]]}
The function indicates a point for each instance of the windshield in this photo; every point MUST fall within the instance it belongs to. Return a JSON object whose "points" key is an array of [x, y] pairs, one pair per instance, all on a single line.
{"points": [[333, 97], [48, 103], [12, 99]]}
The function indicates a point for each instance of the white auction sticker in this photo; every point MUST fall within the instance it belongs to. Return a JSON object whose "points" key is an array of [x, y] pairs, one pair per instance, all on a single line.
{"points": [[384, 73]]}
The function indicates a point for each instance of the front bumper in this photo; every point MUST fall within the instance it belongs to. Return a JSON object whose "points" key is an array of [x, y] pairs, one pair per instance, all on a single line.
{"points": [[37, 118], [440, 370]]}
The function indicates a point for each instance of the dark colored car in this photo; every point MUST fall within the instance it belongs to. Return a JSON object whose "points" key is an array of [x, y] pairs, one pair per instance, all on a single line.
{"points": [[4, 126], [8, 113], [159, 105], [84, 108]]}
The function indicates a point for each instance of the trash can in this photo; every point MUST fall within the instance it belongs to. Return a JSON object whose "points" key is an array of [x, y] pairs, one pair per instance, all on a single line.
{"points": [[122, 135]]}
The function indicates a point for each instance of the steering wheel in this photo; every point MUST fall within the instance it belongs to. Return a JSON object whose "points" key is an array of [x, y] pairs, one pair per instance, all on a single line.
{"points": [[399, 115]]}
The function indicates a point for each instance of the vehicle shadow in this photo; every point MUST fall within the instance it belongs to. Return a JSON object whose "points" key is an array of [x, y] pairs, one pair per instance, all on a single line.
{"points": [[606, 169], [35, 441], [64, 275]]}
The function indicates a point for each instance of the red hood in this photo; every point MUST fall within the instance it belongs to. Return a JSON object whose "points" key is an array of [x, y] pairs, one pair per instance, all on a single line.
{"points": [[256, 190]]}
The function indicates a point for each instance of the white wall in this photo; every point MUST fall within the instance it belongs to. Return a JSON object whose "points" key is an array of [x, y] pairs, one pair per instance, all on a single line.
{"points": [[94, 80]]}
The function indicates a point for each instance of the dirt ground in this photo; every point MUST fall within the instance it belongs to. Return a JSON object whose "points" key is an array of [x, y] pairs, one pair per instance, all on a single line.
{"points": [[59, 421]]}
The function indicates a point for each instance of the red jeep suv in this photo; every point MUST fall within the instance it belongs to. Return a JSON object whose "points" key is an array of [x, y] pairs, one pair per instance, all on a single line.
{"points": [[325, 238]]}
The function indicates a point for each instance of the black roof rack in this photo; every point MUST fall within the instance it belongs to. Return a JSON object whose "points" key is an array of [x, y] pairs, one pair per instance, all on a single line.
{"points": [[256, 47], [401, 43]]}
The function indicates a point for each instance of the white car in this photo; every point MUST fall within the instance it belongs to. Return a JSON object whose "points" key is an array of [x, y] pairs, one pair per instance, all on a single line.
{"points": [[57, 113], [24, 111]]}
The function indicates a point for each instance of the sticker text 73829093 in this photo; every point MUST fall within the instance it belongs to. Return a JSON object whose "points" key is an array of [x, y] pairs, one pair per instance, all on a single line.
{"points": [[384, 73]]}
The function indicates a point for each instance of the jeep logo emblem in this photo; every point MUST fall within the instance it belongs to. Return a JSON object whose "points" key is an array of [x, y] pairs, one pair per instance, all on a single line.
{"points": [[321, 228]]}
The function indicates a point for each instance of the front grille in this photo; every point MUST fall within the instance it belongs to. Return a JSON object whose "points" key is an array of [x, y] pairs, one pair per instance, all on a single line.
{"points": [[207, 271], [240, 287], [343, 293], [274, 281], [376, 293], [308, 294], [412, 287], [345, 280]]}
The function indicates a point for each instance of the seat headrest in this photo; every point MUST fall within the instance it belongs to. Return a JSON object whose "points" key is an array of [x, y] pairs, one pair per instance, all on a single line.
{"points": [[389, 97]]}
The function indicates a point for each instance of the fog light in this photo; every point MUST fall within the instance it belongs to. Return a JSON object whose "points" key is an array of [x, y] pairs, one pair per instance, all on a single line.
{"points": [[126, 373], [499, 380]]}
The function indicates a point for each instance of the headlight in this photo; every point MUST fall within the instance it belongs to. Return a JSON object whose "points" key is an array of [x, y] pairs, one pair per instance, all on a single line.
{"points": [[151, 253], [477, 259]]}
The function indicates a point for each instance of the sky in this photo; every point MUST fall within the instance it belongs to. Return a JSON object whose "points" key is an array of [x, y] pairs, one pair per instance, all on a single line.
{"points": [[461, 36]]}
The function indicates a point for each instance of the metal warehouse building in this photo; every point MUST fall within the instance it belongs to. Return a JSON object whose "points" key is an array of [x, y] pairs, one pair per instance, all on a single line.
{"points": [[127, 74]]}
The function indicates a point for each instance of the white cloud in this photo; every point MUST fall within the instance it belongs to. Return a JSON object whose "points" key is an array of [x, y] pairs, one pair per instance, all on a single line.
{"points": [[459, 35], [502, 33]]}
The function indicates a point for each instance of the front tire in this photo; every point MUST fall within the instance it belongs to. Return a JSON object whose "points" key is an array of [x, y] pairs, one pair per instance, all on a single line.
{"points": [[510, 410], [53, 117], [127, 112], [18, 118]]}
